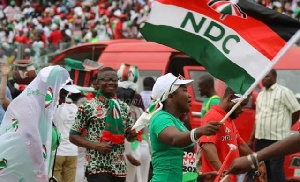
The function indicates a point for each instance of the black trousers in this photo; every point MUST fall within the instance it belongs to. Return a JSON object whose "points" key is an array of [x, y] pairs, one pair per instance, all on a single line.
{"points": [[275, 166], [104, 178]]}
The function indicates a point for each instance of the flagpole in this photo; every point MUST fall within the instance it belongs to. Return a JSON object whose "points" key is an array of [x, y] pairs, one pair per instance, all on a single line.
{"points": [[279, 55]]}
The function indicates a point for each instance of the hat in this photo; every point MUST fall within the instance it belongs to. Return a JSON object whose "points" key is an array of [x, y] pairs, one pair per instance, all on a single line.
{"points": [[117, 13], [164, 83], [12, 3], [71, 88], [128, 72], [54, 26]]}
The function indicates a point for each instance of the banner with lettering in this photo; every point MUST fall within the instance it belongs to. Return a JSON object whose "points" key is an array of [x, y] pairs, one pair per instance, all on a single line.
{"points": [[236, 41]]}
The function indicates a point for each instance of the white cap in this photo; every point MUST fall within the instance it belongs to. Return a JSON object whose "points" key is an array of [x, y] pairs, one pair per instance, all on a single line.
{"points": [[117, 13], [71, 88], [54, 26], [164, 83]]}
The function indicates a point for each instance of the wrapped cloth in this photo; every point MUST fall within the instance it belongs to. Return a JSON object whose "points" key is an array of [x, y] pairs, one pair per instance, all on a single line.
{"points": [[26, 130]]}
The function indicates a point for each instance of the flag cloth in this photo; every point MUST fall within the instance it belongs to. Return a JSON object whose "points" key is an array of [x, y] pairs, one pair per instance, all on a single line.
{"points": [[26, 129], [236, 41]]}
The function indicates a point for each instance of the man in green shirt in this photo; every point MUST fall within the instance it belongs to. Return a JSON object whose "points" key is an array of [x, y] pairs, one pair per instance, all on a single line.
{"points": [[168, 135], [207, 88]]}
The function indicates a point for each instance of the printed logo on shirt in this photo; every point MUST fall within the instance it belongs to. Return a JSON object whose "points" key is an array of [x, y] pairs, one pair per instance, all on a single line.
{"points": [[226, 137], [227, 130]]}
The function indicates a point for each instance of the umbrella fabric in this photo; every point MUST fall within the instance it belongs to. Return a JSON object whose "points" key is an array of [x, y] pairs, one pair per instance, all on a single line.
{"points": [[25, 133]]}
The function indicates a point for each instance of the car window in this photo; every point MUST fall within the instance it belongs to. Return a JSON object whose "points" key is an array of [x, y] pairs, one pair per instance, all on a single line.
{"points": [[290, 79], [143, 74], [195, 75]]}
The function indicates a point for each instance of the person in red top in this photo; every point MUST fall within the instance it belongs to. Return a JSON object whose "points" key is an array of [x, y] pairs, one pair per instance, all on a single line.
{"points": [[215, 148], [21, 38], [55, 37]]}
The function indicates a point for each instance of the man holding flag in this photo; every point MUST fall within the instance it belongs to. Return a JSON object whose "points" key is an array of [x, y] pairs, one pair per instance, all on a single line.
{"points": [[237, 41], [215, 148]]}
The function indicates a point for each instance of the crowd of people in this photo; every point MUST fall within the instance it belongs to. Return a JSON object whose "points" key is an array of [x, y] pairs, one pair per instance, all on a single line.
{"points": [[116, 136], [43, 27]]}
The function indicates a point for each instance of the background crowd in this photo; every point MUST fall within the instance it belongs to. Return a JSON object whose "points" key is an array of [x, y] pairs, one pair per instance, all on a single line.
{"points": [[33, 28]]}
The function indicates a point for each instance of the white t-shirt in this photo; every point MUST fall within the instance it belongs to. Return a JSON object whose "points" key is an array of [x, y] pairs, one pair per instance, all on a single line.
{"points": [[64, 117]]}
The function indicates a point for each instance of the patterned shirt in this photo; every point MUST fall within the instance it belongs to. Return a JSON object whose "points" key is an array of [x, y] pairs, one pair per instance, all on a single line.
{"points": [[274, 108], [113, 162]]}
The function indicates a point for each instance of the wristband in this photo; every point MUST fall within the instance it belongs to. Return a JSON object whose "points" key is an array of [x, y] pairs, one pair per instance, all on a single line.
{"points": [[192, 135], [250, 162], [256, 161]]}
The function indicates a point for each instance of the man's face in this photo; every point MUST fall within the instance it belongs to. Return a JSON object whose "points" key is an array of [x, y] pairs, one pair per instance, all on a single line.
{"points": [[108, 83], [268, 80], [203, 88], [239, 110]]}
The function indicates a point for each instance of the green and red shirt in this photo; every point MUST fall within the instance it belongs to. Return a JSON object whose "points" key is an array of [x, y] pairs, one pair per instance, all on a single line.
{"points": [[97, 110]]}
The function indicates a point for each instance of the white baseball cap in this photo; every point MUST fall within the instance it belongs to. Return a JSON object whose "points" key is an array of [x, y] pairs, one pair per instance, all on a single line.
{"points": [[164, 83], [71, 88]]}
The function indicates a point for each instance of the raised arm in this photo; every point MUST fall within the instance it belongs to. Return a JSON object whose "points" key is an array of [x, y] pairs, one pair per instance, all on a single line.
{"points": [[5, 69], [172, 137], [281, 148]]}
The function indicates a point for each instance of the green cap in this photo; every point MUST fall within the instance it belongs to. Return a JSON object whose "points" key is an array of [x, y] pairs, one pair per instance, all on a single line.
{"points": [[12, 3], [10, 26]]}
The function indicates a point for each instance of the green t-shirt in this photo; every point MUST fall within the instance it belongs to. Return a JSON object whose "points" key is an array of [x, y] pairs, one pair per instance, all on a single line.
{"points": [[213, 100], [167, 161]]}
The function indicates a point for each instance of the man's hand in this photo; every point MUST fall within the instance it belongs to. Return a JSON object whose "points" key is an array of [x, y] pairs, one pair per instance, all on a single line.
{"points": [[103, 147], [263, 172], [208, 177], [5, 69], [133, 161], [210, 128], [130, 134], [239, 166]]}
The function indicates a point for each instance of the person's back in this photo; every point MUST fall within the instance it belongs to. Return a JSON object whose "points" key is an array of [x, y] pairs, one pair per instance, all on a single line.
{"points": [[66, 157], [148, 83]]}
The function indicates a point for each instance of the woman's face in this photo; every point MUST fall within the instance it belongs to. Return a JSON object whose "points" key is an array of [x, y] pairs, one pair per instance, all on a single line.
{"points": [[182, 99]]}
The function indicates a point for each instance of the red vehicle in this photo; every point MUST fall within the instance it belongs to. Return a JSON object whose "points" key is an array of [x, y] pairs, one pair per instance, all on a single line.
{"points": [[155, 60]]}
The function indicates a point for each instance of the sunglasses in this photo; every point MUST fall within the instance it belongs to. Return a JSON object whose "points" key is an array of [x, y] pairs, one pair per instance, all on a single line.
{"points": [[179, 77], [109, 79]]}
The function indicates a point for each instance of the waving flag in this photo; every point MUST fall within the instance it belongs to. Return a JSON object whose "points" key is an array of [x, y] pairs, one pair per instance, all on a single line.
{"points": [[237, 41]]}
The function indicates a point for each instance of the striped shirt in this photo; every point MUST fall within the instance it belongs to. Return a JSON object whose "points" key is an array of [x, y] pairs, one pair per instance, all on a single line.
{"points": [[274, 108]]}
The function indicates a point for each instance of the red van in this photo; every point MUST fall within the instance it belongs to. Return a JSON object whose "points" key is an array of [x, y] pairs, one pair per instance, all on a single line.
{"points": [[155, 60]]}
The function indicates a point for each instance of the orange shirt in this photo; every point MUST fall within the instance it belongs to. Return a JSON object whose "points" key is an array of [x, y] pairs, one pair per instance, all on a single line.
{"points": [[228, 134]]}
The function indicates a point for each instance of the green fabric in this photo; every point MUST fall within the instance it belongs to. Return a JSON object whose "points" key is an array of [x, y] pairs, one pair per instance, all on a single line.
{"points": [[135, 144], [189, 177], [213, 100], [239, 79], [95, 39], [113, 120], [55, 139], [73, 64], [167, 161]]}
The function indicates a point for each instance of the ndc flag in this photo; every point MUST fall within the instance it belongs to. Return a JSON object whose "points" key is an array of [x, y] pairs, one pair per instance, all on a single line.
{"points": [[236, 41]]}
